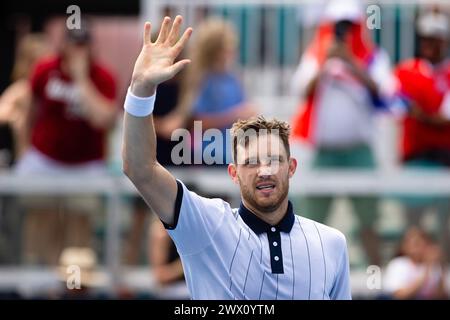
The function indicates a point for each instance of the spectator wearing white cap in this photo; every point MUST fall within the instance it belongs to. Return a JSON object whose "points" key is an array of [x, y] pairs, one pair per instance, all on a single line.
{"points": [[341, 81]]}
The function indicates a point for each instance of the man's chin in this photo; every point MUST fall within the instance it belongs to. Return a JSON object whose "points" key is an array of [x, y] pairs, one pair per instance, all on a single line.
{"points": [[267, 205]]}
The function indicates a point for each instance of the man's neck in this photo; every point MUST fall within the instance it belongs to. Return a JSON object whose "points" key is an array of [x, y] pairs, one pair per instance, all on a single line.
{"points": [[272, 218], [434, 63]]}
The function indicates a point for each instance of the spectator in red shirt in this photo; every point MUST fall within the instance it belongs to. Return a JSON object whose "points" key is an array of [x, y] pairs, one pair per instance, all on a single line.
{"points": [[425, 87], [73, 108]]}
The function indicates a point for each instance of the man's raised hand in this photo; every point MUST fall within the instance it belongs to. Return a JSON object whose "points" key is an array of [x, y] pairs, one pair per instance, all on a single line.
{"points": [[155, 63]]}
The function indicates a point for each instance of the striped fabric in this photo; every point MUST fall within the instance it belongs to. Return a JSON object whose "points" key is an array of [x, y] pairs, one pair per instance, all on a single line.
{"points": [[232, 254]]}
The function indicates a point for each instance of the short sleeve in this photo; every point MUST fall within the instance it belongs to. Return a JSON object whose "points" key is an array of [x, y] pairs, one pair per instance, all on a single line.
{"points": [[196, 220], [381, 72], [411, 83], [341, 289], [396, 275], [306, 71]]}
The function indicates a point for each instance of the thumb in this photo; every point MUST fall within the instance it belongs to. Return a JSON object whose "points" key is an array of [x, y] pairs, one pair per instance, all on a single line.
{"points": [[177, 67]]}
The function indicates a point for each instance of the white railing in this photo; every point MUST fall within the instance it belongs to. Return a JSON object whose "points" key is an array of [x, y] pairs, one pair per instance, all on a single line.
{"points": [[381, 183], [408, 181], [274, 33]]}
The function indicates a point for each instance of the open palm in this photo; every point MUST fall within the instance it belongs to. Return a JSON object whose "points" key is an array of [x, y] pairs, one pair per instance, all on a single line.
{"points": [[155, 63]]}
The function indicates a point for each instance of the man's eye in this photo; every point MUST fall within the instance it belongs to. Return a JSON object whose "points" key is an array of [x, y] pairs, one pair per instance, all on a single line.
{"points": [[275, 160]]}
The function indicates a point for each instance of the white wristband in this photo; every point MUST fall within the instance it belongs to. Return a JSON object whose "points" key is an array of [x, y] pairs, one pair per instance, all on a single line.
{"points": [[138, 106]]}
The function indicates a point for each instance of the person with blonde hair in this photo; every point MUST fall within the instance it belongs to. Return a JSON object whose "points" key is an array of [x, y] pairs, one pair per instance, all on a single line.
{"points": [[16, 100], [210, 91]]}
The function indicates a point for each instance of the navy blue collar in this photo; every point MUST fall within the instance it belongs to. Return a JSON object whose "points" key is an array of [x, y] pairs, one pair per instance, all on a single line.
{"points": [[259, 226]]}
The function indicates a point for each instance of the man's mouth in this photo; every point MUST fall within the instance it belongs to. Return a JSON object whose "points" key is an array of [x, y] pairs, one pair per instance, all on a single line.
{"points": [[265, 186]]}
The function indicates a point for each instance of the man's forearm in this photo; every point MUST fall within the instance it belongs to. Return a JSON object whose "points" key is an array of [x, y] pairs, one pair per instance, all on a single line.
{"points": [[139, 138], [169, 273], [311, 87], [99, 111], [431, 119], [139, 146], [365, 79]]}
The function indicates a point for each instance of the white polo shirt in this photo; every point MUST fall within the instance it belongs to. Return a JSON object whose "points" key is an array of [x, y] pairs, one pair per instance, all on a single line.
{"points": [[232, 254]]}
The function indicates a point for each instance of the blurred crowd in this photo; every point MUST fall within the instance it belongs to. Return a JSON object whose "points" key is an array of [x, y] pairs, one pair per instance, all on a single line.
{"points": [[62, 105]]}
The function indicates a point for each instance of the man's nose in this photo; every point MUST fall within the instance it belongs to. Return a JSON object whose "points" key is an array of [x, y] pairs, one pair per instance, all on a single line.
{"points": [[265, 169]]}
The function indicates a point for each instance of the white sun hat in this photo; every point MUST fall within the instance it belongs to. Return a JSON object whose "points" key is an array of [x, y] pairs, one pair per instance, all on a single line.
{"points": [[433, 24], [85, 260], [337, 10]]}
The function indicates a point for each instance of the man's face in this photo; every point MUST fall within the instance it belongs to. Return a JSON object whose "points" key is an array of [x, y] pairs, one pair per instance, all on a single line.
{"points": [[415, 245], [433, 49], [262, 171], [74, 48]]}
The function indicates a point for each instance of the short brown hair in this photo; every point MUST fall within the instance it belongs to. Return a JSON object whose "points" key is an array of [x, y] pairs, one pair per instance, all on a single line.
{"points": [[257, 124]]}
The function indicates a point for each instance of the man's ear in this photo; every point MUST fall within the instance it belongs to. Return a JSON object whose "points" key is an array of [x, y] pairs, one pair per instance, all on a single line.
{"points": [[292, 166], [233, 173]]}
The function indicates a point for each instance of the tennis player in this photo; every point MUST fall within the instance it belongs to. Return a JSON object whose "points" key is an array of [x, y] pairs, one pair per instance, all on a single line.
{"points": [[261, 250]]}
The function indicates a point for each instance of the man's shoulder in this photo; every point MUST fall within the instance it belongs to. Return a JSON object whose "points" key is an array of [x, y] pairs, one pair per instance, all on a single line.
{"points": [[46, 65], [328, 235], [197, 197], [42, 72], [51, 61], [412, 66]]}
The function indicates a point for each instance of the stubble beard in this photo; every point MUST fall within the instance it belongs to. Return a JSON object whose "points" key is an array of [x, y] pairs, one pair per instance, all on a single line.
{"points": [[250, 198]]}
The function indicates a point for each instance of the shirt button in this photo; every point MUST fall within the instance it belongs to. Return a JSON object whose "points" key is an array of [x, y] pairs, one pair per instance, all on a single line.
{"points": [[273, 229], [275, 243], [276, 258]]}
